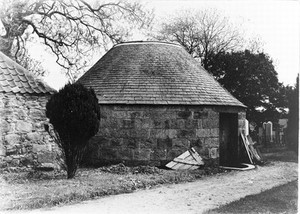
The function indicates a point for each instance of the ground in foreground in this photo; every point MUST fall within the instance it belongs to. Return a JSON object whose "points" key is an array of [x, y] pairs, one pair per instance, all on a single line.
{"points": [[199, 196], [281, 199], [35, 190]]}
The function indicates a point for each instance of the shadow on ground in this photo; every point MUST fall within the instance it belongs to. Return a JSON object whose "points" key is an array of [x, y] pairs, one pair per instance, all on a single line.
{"points": [[281, 199]]}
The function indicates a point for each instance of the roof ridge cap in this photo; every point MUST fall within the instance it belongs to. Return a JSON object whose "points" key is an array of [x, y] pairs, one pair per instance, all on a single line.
{"points": [[148, 42]]}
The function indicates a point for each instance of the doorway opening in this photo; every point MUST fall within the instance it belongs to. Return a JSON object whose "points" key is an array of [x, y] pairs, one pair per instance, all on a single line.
{"points": [[229, 146]]}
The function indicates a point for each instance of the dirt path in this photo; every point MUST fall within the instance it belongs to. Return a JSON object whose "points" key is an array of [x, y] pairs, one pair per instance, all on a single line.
{"points": [[195, 197]]}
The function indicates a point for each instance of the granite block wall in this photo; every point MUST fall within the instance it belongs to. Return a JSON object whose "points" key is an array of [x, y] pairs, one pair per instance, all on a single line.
{"points": [[149, 134], [24, 143]]}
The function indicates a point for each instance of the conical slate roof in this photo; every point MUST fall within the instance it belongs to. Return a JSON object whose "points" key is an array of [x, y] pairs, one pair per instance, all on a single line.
{"points": [[16, 79], [154, 73]]}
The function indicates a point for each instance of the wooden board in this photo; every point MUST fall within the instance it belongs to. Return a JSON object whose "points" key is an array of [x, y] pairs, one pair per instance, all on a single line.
{"points": [[246, 144], [188, 160], [253, 150]]}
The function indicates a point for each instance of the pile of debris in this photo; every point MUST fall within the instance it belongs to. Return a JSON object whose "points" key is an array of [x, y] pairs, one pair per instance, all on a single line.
{"points": [[122, 169]]}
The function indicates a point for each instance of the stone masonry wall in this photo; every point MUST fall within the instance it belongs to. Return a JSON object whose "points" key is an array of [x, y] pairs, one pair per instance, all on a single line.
{"points": [[153, 135], [24, 143]]}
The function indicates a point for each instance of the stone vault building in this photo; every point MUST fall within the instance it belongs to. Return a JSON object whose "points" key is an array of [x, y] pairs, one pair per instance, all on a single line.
{"points": [[156, 102], [23, 140]]}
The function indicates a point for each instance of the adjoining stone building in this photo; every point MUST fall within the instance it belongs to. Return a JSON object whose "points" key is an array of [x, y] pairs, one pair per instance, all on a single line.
{"points": [[23, 140], [156, 102]]}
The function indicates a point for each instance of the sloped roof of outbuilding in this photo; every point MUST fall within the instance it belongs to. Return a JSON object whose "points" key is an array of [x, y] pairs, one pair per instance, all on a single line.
{"points": [[154, 73], [16, 79]]}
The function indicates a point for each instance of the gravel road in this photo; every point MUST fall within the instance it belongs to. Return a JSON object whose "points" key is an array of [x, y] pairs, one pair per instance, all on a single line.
{"points": [[187, 198]]}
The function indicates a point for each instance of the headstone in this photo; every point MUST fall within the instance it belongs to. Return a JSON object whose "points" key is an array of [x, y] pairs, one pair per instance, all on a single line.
{"points": [[264, 125], [269, 131]]}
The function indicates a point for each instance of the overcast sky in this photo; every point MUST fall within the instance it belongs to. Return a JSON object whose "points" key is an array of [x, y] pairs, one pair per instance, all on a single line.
{"points": [[275, 22]]}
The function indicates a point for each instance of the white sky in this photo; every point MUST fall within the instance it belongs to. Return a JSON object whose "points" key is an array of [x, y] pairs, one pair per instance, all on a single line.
{"points": [[276, 22]]}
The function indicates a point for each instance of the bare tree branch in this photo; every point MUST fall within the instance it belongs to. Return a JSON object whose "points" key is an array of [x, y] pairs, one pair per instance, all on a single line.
{"points": [[71, 29], [201, 33]]}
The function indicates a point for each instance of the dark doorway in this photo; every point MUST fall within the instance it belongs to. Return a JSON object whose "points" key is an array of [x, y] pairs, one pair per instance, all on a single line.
{"points": [[229, 139]]}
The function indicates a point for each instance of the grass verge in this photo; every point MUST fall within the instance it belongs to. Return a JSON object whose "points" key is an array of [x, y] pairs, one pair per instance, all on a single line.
{"points": [[281, 199], [35, 189], [284, 155]]}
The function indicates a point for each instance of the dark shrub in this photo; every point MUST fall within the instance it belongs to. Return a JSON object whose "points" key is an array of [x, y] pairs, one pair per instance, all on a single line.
{"points": [[74, 114]]}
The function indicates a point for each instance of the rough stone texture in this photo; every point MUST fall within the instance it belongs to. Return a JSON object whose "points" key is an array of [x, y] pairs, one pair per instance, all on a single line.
{"points": [[23, 140], [22, 126], [155, 134]]}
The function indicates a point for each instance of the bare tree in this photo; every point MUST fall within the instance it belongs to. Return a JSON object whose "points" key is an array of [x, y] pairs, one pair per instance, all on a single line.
{"points": [[255, 45], [202, 33], [71, 29]]}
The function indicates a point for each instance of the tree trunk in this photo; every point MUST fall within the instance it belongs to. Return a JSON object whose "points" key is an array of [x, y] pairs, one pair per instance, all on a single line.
{"points": [[71, 163], [73, 158]]}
